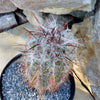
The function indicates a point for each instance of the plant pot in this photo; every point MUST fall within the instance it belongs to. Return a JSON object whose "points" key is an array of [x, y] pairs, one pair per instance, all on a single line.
{"points": [[12, 86]]}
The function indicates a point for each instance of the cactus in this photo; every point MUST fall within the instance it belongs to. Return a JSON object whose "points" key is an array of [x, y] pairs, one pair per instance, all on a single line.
{"points": [[49, 56]]}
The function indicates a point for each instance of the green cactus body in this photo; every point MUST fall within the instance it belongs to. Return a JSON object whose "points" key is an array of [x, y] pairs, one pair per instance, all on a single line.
{"points": [[48, 56]]}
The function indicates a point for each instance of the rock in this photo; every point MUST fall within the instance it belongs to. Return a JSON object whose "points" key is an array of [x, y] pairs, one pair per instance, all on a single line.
{"points": [[96, 37], [82, 14], [83, 32], [7, 21], [76, 16], [20, 17], [81, 93], [96, 90], [9, 44], [89, 36], [93, 2], [6, 6], [54, 6], [31, 17], [95, 78]]}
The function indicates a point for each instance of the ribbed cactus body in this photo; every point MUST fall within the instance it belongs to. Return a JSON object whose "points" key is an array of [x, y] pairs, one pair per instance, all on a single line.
{"points": [[49, 56]]}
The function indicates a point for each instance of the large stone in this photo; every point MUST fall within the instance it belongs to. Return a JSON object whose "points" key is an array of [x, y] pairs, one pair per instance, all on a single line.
{"points": [[54, 6], [94, 76], [6, 6], [9, 44], [7, 21], [31, 17], [90, 53]]}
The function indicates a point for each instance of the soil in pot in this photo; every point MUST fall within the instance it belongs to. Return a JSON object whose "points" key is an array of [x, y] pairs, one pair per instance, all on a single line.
{"points": [[13, 87]]}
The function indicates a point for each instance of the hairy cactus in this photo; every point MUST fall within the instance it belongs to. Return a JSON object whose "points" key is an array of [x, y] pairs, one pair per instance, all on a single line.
{"points": [[49, 56]]}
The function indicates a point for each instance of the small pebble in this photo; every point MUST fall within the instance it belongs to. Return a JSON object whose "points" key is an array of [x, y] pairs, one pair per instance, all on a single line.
{"points": [[14, 89]]}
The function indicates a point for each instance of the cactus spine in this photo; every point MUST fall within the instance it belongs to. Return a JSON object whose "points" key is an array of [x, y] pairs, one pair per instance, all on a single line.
{"points": [[49, 56]]}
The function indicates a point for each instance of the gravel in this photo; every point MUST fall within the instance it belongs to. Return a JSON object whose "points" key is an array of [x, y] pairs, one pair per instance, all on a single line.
{"points": [[14, 89]]}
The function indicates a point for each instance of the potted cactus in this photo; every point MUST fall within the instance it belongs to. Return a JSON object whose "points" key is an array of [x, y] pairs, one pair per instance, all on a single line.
{"points": [[46, 65]]}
